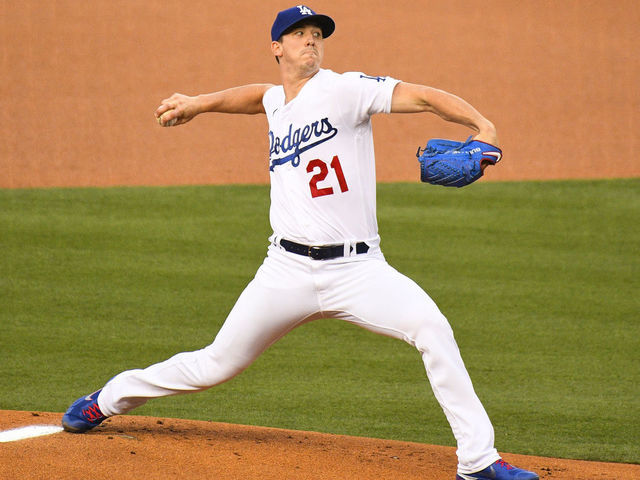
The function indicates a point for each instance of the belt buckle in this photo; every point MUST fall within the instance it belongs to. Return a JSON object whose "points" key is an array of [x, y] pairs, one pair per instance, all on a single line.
{"points": [[314, 252]]}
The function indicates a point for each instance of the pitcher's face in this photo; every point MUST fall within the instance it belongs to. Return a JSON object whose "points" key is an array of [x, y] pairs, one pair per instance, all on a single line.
{"points": [[302, 47]]}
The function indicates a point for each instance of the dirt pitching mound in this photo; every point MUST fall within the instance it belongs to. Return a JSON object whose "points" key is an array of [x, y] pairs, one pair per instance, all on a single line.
{"points": [[144, 447]]}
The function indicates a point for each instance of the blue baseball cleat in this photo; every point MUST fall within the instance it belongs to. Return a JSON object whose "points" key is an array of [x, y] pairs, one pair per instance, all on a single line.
{"points": [[499, 470], [83, 414]]}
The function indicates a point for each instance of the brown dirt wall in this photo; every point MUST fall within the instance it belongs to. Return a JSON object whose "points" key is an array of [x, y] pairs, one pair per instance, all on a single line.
{"points": [[80, 82]]}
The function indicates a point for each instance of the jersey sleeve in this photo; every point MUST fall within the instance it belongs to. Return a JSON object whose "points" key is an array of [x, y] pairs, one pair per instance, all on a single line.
{"points": [[367, 95]]}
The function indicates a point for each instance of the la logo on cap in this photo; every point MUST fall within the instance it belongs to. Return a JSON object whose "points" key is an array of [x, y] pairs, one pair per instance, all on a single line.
{"points": [[305, 10]]}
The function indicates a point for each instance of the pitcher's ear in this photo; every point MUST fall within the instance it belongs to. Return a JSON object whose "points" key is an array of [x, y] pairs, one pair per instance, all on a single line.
{"points": [[276, 49]]}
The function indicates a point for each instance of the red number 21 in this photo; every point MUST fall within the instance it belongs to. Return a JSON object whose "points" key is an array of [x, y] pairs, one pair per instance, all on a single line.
{"points": [[322, 174]]}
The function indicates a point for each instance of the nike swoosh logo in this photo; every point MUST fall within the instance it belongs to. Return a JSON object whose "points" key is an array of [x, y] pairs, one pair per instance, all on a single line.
{"points": [[89, 397], [496, 155]]}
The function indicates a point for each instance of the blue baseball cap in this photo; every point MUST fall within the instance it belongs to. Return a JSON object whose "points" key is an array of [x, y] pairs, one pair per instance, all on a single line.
{"points": [[289, 17]]}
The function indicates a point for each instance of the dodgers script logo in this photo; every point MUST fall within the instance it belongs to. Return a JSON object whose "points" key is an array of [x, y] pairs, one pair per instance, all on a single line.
{"points": [[298, 141]]}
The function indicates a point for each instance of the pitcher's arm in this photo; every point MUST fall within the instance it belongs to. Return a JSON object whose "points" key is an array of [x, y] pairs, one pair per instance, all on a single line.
{"points": [[179, 108]]}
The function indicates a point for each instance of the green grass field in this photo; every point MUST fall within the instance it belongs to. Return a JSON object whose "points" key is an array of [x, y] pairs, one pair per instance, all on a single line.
{"points": [[538, 279]]}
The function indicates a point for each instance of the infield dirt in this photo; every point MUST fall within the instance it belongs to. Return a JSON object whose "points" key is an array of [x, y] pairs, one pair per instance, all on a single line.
{"points": [[129, 447], [81, 81]]}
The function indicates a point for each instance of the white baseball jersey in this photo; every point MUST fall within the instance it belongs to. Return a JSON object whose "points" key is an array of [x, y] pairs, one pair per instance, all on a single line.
{"points": [[322, 165]]}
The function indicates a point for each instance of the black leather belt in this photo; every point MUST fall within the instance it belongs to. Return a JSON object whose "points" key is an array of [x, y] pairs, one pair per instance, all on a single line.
{"points": [[322, 252]]}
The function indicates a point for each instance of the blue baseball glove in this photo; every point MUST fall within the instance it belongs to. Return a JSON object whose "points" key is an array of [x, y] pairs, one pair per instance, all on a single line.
{"points": [[455, 164]]}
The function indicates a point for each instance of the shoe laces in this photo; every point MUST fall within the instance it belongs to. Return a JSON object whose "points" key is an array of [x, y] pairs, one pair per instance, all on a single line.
{"points": [[504, 464], [92, 413]]}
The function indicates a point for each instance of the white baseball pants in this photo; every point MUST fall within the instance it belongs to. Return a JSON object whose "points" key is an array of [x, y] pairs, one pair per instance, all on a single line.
{"points": [[289, 290]]}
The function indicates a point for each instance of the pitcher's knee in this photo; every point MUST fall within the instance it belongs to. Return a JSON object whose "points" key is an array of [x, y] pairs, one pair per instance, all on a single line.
{"points": [[213, 369], [433, 330]]}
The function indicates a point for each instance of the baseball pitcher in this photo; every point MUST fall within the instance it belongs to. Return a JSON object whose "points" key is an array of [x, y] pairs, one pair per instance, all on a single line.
{"points": [[324, 257]]}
